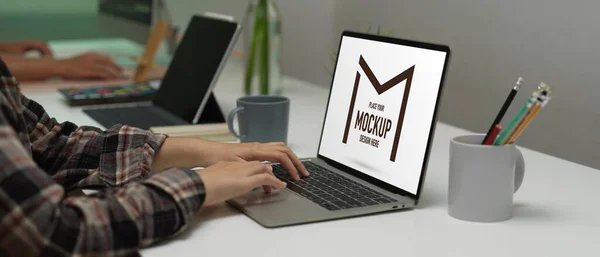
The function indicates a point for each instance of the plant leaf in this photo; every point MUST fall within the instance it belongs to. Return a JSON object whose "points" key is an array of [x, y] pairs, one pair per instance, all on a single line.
{"points": [[256, 34], [265, 49]]}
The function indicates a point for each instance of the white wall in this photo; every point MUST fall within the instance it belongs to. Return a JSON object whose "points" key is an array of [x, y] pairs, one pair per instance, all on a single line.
{"points": [[182, 10], [493, 42]]}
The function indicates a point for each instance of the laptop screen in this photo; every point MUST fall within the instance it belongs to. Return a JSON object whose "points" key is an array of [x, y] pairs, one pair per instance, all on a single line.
{"points": [[195, 64], [381, 109]]}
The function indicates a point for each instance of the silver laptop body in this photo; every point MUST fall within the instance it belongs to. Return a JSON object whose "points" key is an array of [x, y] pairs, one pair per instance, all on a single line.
{"points": [[303, 203]]}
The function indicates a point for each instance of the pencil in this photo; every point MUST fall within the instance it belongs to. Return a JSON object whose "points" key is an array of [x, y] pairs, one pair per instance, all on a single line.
{"points": [[543, 99], [528, 119], [513, 123], [518, 125], [493, 135], [505, 134], [505, 106]]}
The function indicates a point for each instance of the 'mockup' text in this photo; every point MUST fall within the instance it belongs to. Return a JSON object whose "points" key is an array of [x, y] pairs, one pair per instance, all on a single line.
{"points": [[372, 124]]}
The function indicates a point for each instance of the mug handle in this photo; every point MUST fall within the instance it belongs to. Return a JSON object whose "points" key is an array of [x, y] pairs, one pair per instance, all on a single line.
{"points": [[519, 170], [230, 121]]}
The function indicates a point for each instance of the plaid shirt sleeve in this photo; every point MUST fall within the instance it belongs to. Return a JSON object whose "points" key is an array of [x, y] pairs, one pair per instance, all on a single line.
{"points": [[41, 159], [87, 157]]}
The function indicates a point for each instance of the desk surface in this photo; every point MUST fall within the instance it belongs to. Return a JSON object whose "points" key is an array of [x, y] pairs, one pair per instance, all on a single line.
{"points": [[554, 211]]}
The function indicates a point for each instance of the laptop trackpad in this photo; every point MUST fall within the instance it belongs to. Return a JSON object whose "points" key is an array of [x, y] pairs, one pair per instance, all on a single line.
{"points": [[258, 197]]}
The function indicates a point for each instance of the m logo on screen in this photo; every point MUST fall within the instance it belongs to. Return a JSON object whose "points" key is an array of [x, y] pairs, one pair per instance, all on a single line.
{"points": [[373, 127]]}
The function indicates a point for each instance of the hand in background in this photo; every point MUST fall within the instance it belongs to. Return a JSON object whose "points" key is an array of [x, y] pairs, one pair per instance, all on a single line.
{"points": [[226, 180], [272, 152], [23, 46], [89, 66]]}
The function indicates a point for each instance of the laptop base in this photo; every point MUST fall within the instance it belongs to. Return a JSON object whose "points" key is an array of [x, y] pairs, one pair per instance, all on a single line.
{"points": [[285, 207]]}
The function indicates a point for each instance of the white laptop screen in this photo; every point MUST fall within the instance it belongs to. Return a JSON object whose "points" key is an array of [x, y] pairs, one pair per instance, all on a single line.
{"points": [[381, 109]]}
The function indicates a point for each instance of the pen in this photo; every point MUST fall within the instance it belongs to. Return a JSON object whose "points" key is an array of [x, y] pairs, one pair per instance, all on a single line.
{"points": [[543, 99], [518, 117], [505, 106], [493, 135]]}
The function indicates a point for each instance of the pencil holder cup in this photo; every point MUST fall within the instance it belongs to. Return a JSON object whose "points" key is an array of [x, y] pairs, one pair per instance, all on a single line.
{"points": [[483, 179]]}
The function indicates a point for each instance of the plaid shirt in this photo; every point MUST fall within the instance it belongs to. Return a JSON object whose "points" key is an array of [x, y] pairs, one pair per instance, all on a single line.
{"points": [[41, 160]]}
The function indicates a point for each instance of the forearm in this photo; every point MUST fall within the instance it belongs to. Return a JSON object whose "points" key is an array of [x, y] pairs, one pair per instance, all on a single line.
{"points": [[5, 48], [184, 152], [136, 215], [24, 68], [110, 158], [110, 223]]}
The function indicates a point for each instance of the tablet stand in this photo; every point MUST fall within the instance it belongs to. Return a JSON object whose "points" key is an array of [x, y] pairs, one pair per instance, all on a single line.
{"points": [[212, 112]]}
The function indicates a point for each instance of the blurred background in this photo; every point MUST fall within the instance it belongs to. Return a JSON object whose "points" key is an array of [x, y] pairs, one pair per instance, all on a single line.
{"points": [[492, 42]]}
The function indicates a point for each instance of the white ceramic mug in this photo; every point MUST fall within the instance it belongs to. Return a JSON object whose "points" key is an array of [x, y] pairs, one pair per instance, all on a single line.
{"points": [[483, 179]]}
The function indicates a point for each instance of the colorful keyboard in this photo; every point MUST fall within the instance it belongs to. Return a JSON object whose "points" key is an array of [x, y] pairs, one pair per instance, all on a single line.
{"points": [[109, 94]]}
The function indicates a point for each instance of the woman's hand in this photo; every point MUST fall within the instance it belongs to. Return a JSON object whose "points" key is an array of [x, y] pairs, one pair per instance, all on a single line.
{"points": [[226, 180], [190, 153], [272, 152], [89, 66], [23, 46], [86, 66]]}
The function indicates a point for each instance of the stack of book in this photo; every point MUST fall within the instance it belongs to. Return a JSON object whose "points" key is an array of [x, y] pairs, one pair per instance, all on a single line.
{"points": [[213, 132]]}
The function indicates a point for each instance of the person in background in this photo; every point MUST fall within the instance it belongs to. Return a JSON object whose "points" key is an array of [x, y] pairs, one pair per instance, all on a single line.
{"points": [[148, 189], [86, 66]]}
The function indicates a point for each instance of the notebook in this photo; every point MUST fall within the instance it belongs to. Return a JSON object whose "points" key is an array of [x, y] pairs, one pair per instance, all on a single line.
{"points": [[213, 132]]}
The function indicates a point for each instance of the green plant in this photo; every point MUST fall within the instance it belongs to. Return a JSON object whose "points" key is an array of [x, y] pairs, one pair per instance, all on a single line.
{"points": [[332, 53], [260, 42]]}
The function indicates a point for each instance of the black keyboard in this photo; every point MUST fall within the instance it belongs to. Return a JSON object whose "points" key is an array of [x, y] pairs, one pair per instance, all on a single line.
{"points": [[330, 190], [140, 117]]}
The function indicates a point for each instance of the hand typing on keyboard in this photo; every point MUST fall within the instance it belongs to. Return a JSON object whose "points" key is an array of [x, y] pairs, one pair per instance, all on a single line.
{"points": [[226, 180], [231, 169], [272, 152]]}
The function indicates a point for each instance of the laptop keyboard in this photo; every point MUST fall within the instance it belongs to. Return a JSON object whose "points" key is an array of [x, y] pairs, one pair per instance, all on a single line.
{"points": [[140, 117], [330, 190]]}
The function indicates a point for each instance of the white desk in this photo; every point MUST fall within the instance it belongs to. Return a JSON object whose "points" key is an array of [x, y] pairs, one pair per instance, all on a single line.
{"points": [[555, 211]]}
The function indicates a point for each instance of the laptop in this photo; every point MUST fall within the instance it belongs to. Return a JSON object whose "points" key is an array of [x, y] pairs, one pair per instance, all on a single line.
{"points": [[185, 94], [376, 136]]}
